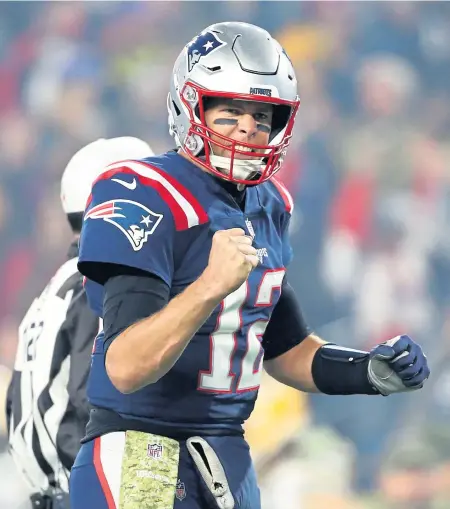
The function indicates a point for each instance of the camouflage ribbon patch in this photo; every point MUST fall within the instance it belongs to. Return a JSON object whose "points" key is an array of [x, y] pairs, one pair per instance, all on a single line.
{"points": [[149, 471]]}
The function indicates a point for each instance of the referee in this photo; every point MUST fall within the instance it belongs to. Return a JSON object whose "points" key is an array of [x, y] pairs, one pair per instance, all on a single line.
{"points": [[47, 409]]}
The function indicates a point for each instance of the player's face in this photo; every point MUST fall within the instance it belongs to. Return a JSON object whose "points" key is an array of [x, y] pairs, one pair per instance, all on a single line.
{"points": [[242, 121]]}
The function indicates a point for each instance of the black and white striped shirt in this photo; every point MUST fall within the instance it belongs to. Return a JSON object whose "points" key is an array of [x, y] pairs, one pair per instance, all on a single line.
{"points": [[46, 405]]}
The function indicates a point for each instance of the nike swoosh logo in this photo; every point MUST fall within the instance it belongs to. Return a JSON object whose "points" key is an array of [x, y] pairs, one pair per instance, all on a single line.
{"points": [[129, 185]]}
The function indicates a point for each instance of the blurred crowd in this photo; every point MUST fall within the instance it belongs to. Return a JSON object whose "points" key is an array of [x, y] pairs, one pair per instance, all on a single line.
{"points": [[368, 169]]}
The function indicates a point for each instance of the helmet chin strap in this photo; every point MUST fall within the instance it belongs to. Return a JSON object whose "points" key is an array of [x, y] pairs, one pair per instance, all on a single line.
{"points": [[243, 169]]}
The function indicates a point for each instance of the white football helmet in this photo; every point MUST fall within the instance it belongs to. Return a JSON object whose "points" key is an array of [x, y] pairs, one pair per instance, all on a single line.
{"points": [[239, 61], [87, 164]]}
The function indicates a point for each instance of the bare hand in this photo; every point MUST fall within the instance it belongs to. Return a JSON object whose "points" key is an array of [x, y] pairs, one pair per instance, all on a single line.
{"points": [[231, 260]]}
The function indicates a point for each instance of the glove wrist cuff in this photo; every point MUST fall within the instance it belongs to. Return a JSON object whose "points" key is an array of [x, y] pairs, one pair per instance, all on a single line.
{"points": [[340, 370]]}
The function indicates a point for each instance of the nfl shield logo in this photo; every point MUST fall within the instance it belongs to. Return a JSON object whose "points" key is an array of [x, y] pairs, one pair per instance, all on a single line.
{"points": [[155, 451], [180, 491]]}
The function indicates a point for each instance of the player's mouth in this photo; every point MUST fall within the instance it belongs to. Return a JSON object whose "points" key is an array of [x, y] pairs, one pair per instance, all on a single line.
{"points": [[241, 148]]}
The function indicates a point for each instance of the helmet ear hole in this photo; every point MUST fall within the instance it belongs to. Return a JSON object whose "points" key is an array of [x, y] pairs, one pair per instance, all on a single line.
{"points": [[176, 108]]}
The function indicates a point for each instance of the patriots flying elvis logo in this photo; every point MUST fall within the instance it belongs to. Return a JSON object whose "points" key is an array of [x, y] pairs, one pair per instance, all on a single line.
{"points": [[133, 219], [202, 46]]}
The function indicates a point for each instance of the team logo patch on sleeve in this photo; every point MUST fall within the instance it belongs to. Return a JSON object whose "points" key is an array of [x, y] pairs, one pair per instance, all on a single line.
{"points": [[134, 220], [203, 45]]}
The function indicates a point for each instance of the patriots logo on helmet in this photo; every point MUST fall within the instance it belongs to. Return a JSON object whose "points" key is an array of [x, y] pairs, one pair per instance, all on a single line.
{"points": [[134, 220], [201, 46]]}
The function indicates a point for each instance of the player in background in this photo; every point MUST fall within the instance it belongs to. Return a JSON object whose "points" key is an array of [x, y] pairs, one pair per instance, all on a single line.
{"points": [[191, 248], [47, 408]]}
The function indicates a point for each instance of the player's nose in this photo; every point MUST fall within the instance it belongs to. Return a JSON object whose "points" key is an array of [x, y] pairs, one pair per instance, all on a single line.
{"points": [[247, 126]]}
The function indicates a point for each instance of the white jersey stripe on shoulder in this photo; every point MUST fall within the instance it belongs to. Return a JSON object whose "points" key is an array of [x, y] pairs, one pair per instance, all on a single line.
{"points": [[285, 194], [146, 171], [112, 447]]}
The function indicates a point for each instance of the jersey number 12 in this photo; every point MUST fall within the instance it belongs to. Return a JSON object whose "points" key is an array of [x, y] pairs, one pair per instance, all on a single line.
{"points": [[223, 341]]}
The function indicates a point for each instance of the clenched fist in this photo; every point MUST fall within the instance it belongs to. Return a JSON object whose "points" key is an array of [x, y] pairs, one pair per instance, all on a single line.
{"points": [[398, 365], [231, 260]]}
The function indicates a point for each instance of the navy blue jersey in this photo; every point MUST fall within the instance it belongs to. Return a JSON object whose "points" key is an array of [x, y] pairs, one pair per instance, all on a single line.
{"points": [[159, 215]]}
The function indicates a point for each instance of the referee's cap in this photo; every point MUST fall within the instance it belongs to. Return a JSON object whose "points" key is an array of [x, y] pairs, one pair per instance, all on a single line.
{"points": [[89, 162]]}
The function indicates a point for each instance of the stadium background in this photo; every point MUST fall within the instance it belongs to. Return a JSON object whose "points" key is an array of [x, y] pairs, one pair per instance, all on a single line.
{"points": [[369, 172]]}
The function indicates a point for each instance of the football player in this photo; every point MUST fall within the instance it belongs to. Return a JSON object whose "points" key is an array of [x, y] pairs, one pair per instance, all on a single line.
{"points": [[191, 248]]}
